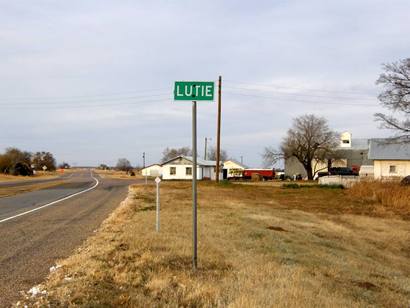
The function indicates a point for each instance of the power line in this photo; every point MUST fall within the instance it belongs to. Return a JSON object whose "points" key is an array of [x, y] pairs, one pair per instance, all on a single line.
{"points": [[86, 100], [298, 88], [300, 101], [301, 94], [101, 95], [85, 106]]}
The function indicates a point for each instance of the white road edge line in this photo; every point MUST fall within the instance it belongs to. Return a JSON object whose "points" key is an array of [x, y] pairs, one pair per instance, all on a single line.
{"points": [[54, 202]]}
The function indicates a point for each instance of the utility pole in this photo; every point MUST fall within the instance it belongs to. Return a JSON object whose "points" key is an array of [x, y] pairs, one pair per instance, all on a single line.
{"points": [[218, 133], [206, 141], [241, 160], [206, 147]]}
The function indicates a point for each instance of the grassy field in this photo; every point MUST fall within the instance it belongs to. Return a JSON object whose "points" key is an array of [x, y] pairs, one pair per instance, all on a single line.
{"points": [[39, 175], [11, 191], [259, 246], [115, 174]]}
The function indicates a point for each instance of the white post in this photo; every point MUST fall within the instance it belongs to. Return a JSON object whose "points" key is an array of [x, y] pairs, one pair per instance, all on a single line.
{"points": [[157, 180]]}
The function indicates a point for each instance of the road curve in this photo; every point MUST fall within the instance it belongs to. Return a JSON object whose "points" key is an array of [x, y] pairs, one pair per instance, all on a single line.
{"points": [[31, 244]]}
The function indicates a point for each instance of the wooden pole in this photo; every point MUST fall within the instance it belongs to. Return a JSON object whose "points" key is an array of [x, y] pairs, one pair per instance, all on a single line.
{"points": [[218, 133]]}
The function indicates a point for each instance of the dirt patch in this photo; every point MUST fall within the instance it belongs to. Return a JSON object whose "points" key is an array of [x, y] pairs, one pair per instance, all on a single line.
{"points": [[275, 228], [366, 285]]}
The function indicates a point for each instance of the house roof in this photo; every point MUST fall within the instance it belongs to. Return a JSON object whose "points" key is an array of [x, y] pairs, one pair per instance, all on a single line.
{"points": [[357, 144], [360, 144], [385, 149], [236, 162], [151, 166], [200, 162]]}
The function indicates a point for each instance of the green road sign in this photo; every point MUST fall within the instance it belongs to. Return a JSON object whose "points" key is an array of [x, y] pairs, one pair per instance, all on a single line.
{"points": [[194, 91]]}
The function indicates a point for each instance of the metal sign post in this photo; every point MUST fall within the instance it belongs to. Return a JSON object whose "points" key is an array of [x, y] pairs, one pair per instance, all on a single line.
{"points": [[157, 181], [194, 91], [194, 190]]}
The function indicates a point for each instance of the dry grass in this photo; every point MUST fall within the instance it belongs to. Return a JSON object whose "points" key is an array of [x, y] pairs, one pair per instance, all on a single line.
{"points": [[258, 247], [114, 174], [388, 194], [274, 183], [14, 190], [39, 175]]}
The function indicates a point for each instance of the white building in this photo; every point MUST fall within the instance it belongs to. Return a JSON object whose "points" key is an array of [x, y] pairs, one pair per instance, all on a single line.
{"points": [[233, 169], [391, 159], [350, 153], [152, 170], [180, 168]]}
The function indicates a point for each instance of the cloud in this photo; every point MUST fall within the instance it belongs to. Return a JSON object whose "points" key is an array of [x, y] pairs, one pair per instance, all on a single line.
{"points": [[92, 81]]}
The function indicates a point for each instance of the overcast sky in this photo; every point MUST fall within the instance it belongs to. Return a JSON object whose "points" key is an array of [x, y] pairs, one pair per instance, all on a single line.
{"points": [[92, 81]]}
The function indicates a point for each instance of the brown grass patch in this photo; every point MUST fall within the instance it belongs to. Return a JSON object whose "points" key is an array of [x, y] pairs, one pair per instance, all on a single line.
{"points": [[39, 175], [14, 190], [114, 174], [328, 258], [390, 195]]}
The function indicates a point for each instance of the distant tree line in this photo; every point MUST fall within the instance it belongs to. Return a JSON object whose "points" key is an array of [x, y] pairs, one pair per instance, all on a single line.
{"points": [[16, 162]]}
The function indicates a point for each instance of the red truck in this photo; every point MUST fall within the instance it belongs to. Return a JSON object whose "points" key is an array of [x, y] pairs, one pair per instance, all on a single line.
{"points": [[266, 174]]}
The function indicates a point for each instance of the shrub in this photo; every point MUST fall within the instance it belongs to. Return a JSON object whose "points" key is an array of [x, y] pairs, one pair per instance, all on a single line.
{"points": [[389, 194], [291, 185], [332, 186]]}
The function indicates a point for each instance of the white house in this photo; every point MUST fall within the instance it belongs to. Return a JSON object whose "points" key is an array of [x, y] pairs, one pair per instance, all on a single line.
{"points": [[152, 170], [232, 169], [391, 159], [180, 168]]}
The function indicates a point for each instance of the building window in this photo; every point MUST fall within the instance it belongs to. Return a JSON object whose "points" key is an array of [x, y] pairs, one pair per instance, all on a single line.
{"points": [[172, 170], [392, 169], [346, 141], [188, 170]]}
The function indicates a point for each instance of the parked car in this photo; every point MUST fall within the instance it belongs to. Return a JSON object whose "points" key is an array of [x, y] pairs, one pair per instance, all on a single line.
{"points": [[341, 171], [320, 174]]}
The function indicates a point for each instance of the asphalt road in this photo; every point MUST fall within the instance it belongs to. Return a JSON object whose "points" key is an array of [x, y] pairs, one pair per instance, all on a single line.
{"points": [[31, 243]]}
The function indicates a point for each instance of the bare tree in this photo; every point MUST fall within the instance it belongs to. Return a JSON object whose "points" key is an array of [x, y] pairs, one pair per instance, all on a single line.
{"points": [[212, 154], [123, 164], [41, 159], [309, 140], [396, 97], [271, 156], [170, 153]]}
